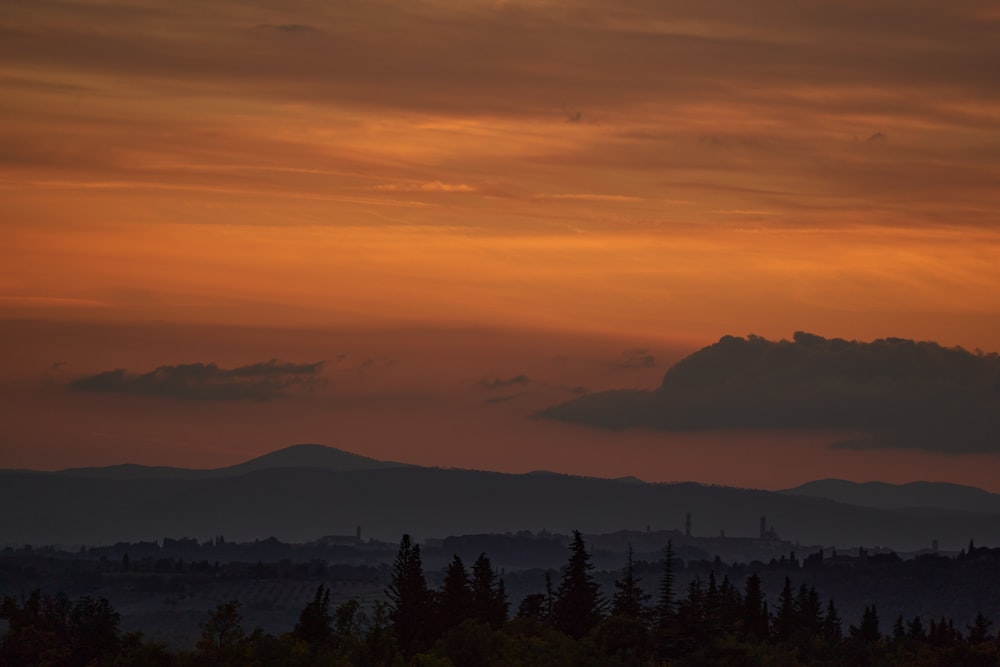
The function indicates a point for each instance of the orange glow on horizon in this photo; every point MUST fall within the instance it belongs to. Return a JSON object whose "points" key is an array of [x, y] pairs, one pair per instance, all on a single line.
{"points": [[656, 172]]}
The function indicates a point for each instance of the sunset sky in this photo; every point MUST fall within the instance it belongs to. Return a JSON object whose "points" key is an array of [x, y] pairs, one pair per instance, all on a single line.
{"points": [[470, 210]]}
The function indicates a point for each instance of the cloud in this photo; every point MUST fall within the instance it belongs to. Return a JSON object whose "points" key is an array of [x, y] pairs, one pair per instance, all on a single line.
{"points": [[425, 186], [583, 196], [201, 382], [897, 393], [506, 398], [481, 88], [288, 28], [636, 359], [500, 383]]}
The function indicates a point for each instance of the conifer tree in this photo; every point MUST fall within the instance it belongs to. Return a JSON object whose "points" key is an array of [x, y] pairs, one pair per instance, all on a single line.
{"points": [[630, 599], [532, 607], [489, 596], [691, 613], [785, 619], [898, 631], [455, 598], [980, 629], [713, 605], [665, 603], [867, 632], [409, 599], [577, 606], [730, 605], [832, 631], [755, 617], [809, 610], [550, 597]]}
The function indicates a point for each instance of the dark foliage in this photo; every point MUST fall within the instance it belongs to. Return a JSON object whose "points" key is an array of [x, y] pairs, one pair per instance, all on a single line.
{"points": [[465, 625], [409, 600], [577, 606]]}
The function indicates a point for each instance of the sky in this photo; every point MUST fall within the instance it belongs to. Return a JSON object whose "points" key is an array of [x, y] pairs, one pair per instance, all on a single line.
{"points": [[438, 218]]}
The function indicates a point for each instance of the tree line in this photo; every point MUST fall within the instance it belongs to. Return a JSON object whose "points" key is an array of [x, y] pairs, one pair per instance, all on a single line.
{"points": [[467, 622]]}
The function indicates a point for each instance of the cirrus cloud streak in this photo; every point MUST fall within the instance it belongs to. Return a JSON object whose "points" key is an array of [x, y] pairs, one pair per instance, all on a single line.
{"points": [[201, 382]]}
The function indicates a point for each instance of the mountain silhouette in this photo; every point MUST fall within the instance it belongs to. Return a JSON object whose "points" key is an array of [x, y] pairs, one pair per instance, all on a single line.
{"points": [[914, 495], [315, 457], [301, 493]]}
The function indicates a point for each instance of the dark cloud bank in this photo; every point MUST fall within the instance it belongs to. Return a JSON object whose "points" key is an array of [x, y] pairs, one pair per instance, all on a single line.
{"points": [[260, 381], [899, 393]]}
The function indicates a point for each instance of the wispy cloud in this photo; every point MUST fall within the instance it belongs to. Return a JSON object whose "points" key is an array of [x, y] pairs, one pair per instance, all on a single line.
{"points": [[595, 197], [199, 381], [501, 383], [426, 186], [636, 359]]}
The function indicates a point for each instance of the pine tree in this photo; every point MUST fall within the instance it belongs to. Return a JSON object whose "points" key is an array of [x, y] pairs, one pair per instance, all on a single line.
{"points": [[809, 610], [630, 599], [665, 604], [980, 629], [500, 605], [915, 629], [730, 605], [713, 605], [785, 621], [755, 617], [691, 612], [832, 631], [489, 596], [577, 606], [532, 607], [550, 597], [409, 599], [455, 599], [867, 632]]}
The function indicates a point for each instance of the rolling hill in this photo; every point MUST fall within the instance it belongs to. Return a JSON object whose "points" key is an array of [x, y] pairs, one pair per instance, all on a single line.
{"points": [[301, 493], [315, 457], [914, 495]]}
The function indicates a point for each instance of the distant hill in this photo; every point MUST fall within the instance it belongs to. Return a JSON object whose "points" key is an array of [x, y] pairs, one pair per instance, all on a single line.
{"points": [[303, 492], [914, 495], [316, 457]]}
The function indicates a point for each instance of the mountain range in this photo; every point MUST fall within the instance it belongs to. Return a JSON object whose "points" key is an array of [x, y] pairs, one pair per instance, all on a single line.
{"points": [[303, 492], [914, 495]]}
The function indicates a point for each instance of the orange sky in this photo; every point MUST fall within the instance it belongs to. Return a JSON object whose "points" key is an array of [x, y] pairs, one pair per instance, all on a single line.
{"points": [[644, 174]]}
